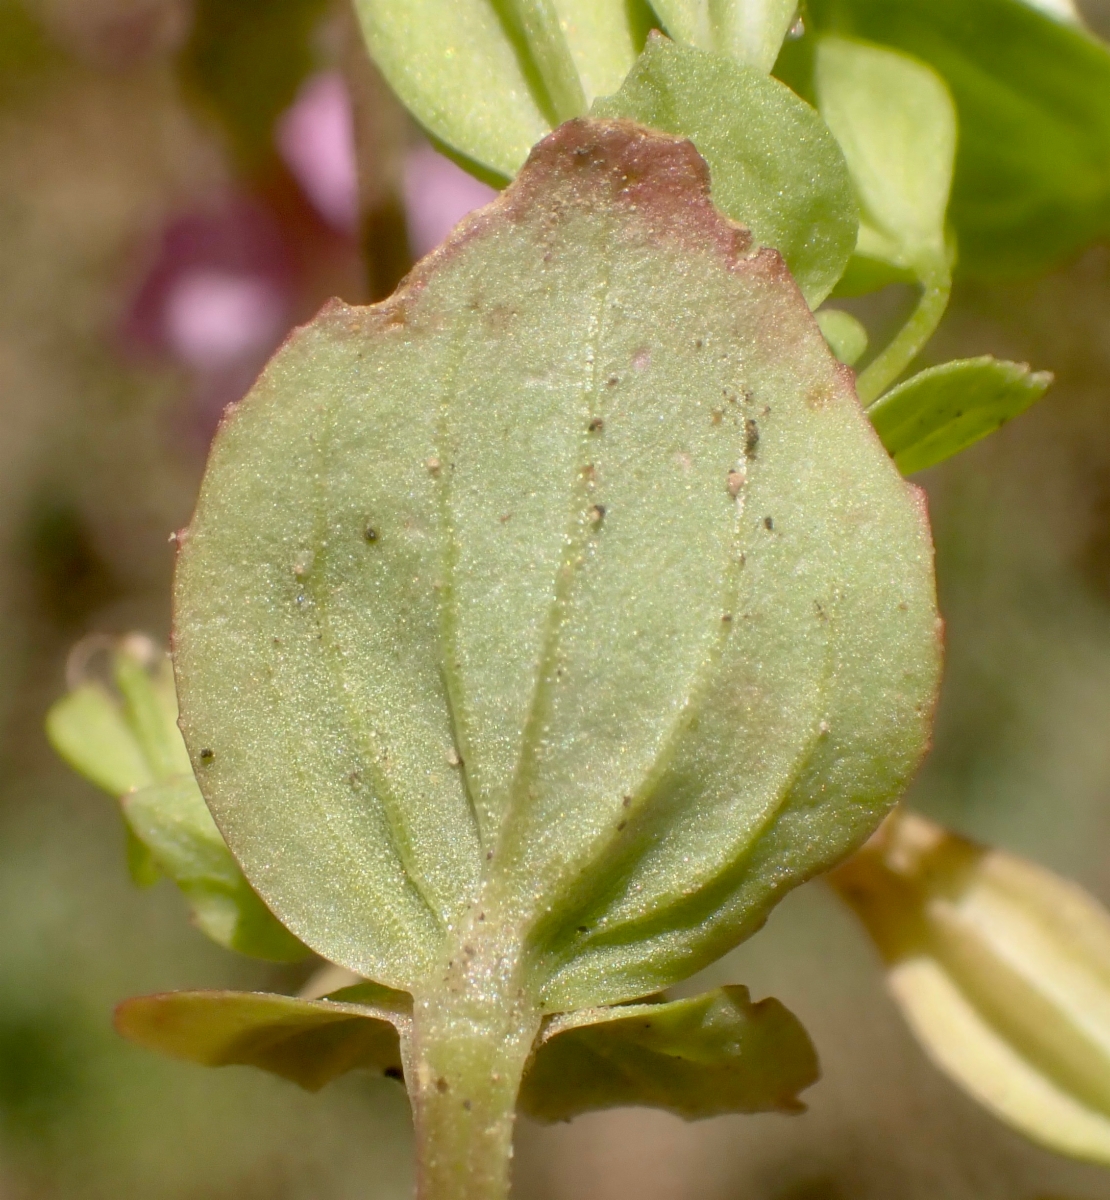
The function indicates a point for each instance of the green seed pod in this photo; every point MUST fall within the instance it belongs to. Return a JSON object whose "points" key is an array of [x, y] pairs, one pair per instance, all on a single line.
{"points": [[1002, 970]]}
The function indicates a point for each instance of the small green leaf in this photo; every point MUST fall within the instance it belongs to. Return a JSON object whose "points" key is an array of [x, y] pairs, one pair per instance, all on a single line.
{"points": [[556, 616], [945, 409], [750, 31], [847, 338], [309, 1042], [466, 71], [774, 166], [896, 124], [88, 729], [712, 1054], [170, 818], [1032, 179]]}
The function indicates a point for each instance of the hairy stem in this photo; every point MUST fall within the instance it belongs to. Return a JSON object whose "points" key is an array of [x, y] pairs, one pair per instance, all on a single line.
{"points": [[471, 1038], [884, 370]]}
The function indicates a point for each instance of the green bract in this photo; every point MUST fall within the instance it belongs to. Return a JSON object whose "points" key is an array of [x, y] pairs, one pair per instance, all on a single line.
{"points": [[774, 165], [945, 409], [1032, 178], [750, 31], [540, 627], [712, 1054]]}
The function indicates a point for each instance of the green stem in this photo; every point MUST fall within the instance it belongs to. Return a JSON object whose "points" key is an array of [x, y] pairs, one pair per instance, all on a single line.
{"points": [[885, 369], [540, 26], [471, 1038]]}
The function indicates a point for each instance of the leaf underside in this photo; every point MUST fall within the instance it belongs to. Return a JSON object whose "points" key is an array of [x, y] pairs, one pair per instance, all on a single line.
{"points": [[711, 1054], [570, 585]]}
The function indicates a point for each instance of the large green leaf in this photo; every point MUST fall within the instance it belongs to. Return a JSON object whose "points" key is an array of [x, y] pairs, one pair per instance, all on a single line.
{"points": [[562, 612], [711, 1054], [170, 819], [774, 165], [751, 31], [945, 409], [310, 1042], [1032, 179], [472, 72]]}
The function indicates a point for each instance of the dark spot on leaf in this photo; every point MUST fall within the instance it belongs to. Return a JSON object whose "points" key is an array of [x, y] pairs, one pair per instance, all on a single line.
{"points": [[597, 513], [467, 1105], [207, 755], [370, 533], [583, 929], [726, 617], [394, 1073], [613, 380], [769, 522], [621, 825], [819, 610], [627, 802], [596, 425], [505, 517], [441, 1085], [718, 416], [698, 343], [751, 437]]}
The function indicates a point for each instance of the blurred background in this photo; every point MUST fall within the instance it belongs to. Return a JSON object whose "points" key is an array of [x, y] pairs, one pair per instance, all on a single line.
{"points": [[178, 185]]}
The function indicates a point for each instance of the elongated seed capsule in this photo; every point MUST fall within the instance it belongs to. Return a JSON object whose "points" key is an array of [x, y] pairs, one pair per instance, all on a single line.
{"points": [[1001, 969]]}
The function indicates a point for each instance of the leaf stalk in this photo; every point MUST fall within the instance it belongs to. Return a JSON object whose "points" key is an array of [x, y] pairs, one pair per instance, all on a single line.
{"points": [[936, 282]]}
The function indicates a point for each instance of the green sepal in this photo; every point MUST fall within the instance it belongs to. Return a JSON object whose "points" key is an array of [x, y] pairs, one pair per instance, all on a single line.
{"points": [[711, 1054], [309, 1042], [945, 409], [172, 821], [1032, 177], [774, 166]]}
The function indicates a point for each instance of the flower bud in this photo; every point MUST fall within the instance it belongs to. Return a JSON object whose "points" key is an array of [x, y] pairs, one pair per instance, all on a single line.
{"points": [[1001, 969]]}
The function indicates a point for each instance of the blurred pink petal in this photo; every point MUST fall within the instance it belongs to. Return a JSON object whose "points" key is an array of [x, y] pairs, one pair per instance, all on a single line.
{"points": [[438, 194], [215, 318], [316, 140]]}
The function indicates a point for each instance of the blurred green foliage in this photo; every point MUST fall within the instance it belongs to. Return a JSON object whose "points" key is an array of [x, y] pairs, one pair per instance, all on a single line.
{"points": [[94, 473]]}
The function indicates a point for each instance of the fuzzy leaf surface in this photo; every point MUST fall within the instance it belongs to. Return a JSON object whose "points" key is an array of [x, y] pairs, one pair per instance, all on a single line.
{"points": [[564, 606], [310, 1042], [1032, 176], [711, 1054], [171, 820], [774, 165], [943, 410], [463, 68]]}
